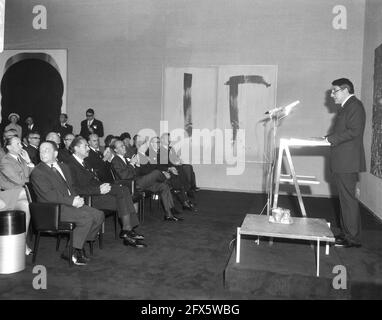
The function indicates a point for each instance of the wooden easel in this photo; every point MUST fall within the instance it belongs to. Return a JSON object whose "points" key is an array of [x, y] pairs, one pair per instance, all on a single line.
{"points": [[293, 178]]}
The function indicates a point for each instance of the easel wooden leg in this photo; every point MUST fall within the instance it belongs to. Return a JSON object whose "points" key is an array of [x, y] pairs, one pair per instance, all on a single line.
{"points": [[318, 257], [327, 244], [293, 173], [277, 177], [238, 246]]}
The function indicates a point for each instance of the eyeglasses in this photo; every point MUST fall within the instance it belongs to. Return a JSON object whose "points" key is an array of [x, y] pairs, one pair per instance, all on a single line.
{"points": [[335, 91], [35, 138], [89, 115]]}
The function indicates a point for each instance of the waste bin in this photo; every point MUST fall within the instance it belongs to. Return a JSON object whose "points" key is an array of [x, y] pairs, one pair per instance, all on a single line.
{"points": [[12, 241]]}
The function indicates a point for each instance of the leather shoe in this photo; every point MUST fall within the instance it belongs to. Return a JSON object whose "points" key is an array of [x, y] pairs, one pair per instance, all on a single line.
{"points": [[136, 236], [84, 255], [346, 243], [77, 257], [123, 234], [339, 242], [130, 234], [28, 251], [133, 243], [172, 218], [188, 205]]}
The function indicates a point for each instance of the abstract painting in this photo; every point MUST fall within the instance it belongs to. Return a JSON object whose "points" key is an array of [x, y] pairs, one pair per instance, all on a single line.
{"points": [[376, 143]]}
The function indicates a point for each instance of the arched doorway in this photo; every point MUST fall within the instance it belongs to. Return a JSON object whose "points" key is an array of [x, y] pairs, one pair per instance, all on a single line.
{"points": [[32, 86]]}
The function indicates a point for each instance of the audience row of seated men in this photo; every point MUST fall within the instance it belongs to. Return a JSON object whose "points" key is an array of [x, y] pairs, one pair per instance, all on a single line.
{"points": [[83, 170]]}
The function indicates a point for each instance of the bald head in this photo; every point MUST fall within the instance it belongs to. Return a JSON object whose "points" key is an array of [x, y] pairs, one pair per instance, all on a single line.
{"points": [[93, 141], [53, 136]]}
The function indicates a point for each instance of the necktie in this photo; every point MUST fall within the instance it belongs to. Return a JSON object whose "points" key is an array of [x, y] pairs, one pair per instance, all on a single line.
{"points": [[61, 177], [94, 174]]}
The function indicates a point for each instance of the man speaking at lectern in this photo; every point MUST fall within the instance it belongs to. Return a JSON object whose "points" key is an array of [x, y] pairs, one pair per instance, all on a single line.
{"points": [[347, 158]]}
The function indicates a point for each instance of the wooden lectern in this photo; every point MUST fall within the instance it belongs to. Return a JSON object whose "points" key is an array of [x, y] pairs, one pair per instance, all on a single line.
{"points": [[293, 178]]}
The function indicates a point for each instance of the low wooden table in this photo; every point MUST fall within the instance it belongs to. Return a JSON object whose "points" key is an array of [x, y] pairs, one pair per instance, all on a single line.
{"points": [[302, 228]]}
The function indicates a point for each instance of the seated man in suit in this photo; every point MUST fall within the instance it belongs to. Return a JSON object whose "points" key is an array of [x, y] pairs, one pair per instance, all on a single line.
{"points": [[105, 195], [54, 137], [126, 139], [15, 166], [64, 154], [173, 158], [52, 182], [91, 125], [153, 181], [33, 138], [6, 134], [159, 156], [97, 160]]}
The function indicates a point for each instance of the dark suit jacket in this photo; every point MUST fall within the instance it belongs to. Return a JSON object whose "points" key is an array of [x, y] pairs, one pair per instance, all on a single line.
{"points": [[35, 128], [124, 171], [33, 153], [49, 187], [96, 125], [102, 168], [84, 181], [64, 155], [347, 150], [130, 151], [63, 131]]}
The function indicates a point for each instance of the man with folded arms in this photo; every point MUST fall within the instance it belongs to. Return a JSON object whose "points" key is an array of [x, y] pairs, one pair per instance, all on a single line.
{"points": [[52, 182], [105, 196]]}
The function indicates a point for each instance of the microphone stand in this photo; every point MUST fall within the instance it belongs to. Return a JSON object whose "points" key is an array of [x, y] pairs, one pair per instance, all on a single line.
{"points": [[271, 164], [275, 115]]}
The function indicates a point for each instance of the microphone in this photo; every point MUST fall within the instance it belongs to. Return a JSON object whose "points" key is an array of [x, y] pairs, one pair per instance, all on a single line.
{"points": [[287, 108], [273, 110]]}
